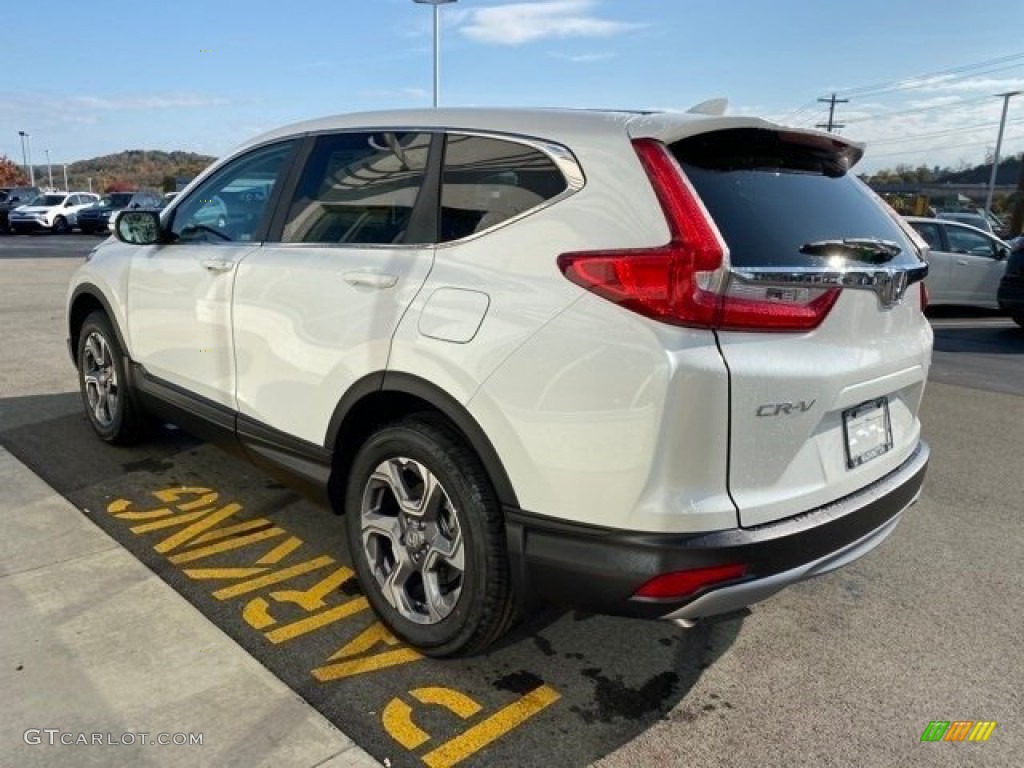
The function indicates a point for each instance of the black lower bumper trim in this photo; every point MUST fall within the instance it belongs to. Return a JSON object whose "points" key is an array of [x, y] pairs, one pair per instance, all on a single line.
{"points": [[599, 569]]}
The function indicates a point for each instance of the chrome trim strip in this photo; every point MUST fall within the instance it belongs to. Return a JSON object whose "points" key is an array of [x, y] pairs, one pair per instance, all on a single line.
{"points": [[888, 283]]}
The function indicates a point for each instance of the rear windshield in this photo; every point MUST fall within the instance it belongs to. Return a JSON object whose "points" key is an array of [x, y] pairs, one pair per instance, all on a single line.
{"points": [[774, 196]]}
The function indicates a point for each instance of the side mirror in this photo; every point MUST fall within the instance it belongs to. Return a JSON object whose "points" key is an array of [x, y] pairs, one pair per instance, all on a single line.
{"points": [[1002, 252], [137, 227]]}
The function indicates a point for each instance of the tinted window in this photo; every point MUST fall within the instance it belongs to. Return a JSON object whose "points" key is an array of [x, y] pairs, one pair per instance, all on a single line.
{"points": [[358, 188], [964, 241], [230, 205], [487, 181], [930, 233], [770, 195]]}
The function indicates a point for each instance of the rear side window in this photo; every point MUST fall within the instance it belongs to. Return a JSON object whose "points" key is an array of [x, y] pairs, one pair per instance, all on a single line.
{"points": [[930, 233], [773, 194], [358, 188], [487, 181]]}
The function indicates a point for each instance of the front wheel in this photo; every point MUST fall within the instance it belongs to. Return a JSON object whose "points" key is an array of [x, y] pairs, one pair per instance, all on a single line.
{"points": [[112, 411], [427, 537], [60, 226]]}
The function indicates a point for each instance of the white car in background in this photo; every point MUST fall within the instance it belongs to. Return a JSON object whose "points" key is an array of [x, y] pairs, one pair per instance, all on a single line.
{"points": [[57, 212], [965, 264]]}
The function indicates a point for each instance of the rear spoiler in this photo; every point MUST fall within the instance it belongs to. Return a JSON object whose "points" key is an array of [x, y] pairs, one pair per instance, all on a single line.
{"points": [[670, 127]]}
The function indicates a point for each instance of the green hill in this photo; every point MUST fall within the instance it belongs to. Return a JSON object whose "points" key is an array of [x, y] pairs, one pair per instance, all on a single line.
{"points": [[132, 169]]}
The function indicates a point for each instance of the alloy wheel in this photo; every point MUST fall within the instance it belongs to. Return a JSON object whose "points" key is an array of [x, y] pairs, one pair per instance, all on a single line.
{"points": [[413, 540], [100, 377]]}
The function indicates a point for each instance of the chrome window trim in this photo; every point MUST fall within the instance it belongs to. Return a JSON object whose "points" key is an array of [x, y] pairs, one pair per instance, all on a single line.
{"points": [[560, 155], [563, 158]]}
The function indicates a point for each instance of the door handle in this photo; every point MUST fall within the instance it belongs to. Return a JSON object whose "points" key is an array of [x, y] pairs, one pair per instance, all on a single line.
{"points": [[370, 279], [218, 265]]}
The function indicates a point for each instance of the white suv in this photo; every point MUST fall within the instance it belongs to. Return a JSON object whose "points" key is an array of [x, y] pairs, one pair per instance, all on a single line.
{"points": [[658, 365], [57, 212]]}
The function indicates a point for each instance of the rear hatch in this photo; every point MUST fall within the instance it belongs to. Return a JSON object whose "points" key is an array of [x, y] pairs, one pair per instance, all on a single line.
{"points": [[820, 411]]}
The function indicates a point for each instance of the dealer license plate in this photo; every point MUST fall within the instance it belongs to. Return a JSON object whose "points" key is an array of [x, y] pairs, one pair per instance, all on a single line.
{"points": [[868, 431]]}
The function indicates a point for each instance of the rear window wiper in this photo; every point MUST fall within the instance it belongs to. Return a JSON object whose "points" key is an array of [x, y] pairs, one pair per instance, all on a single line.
{"points": [[867, 249]]}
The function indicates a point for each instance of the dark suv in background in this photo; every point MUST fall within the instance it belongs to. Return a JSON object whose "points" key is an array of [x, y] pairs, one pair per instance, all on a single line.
{"points": [[1011, 288], [97, 217], [11, 198]]}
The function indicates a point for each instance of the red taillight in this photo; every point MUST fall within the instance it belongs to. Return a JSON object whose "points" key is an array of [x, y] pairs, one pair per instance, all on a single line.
{"points": [[924, 296], [680, 584], [676, 283]]}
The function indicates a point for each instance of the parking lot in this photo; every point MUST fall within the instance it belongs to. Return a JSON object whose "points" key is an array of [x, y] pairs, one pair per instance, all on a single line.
{"points": [[848, 668]]}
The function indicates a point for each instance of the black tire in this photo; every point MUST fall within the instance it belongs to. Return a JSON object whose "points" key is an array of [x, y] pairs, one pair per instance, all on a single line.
{"points": [[60, 226], [485, 606], [87, 229], [118, 418], [1018, 319]]}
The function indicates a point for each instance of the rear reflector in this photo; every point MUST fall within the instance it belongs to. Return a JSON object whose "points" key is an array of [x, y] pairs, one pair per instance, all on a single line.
{"points": [[680, 584], [683, 282]]}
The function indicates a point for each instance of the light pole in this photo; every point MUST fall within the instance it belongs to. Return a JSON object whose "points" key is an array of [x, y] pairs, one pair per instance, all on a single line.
{"points": [[437, 41], [999, 144], [66, 187], [31, 170], [49, 169], [24, 156]]}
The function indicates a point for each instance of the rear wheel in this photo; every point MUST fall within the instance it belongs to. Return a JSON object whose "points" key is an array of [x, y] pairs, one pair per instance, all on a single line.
{"points": [[427, 537], [114, 414], [60, 226], [87, 229], [1018, 319]]}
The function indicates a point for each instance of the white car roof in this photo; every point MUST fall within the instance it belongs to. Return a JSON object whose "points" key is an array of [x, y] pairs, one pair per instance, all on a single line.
{"points": [[551, 124]]}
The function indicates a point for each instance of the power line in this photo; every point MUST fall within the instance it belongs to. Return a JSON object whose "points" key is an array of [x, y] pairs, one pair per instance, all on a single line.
{"points": [[803, 108], [988, 66], [916, 110], [872, 156], [964, 70], [932, 134]]}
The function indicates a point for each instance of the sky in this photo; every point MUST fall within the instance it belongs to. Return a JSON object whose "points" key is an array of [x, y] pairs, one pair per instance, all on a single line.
{"points": [[88, 79]]}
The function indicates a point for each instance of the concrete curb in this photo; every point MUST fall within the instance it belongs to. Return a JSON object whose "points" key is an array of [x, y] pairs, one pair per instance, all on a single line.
{"points": [[97, 646]]}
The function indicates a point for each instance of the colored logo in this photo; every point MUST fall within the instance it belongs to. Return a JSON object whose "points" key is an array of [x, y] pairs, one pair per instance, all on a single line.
{"points": [[958, 730]]}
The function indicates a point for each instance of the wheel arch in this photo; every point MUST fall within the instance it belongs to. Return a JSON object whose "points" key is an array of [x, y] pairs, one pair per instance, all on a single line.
{"points": [[85, 300], [379, 398]]}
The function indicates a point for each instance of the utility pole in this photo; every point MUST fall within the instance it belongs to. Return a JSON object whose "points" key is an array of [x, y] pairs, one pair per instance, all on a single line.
{"points": [[832, 125], [49, 169], [999, 143], [66, 187]]}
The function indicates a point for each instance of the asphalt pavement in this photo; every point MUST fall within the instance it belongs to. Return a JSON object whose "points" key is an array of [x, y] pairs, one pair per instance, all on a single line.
{"points": [[846, 669]]}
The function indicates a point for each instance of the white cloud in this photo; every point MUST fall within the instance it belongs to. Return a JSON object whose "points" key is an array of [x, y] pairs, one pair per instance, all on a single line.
{"points": [[583, 58], [166, 101], [519, 23]]}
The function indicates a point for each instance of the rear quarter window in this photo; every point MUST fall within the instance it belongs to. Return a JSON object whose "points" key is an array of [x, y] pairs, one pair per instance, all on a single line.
{"points": [[487, 181]]}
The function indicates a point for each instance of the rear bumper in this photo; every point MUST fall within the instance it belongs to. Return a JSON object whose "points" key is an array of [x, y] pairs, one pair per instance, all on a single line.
{"points": [[599, 570]]}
